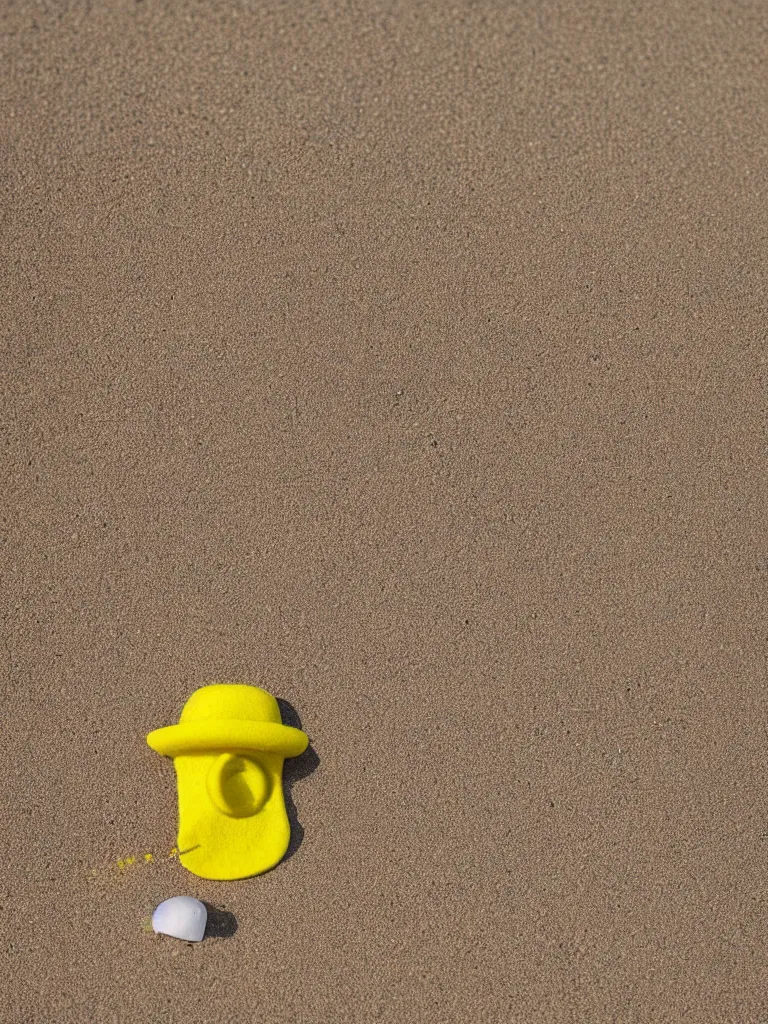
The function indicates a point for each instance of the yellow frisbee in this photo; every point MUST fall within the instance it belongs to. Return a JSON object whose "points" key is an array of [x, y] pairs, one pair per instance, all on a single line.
{"points": [[228, 750]]}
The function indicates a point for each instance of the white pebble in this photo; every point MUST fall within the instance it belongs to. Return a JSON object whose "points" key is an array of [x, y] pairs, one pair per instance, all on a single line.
{"points": [[181, 917]]}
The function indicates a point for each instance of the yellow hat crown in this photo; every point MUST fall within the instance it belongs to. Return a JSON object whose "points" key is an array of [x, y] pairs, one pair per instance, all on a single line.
{"points": [[231, 701]]}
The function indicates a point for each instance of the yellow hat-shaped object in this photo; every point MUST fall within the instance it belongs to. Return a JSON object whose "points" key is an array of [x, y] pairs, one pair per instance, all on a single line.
{"points": [[228, 750]]}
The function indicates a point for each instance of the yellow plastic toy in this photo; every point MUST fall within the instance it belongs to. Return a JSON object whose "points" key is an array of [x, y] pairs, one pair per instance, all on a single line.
{"points": [[228, 750]]}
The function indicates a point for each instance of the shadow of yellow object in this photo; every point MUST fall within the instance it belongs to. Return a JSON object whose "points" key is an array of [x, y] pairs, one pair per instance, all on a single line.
{"points": [[228, 750]]}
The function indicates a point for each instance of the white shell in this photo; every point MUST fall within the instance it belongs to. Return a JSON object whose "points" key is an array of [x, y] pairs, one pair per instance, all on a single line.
{"points": [[182, 917]]}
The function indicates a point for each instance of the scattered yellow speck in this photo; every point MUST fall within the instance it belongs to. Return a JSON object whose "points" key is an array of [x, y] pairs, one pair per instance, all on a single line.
{"points": [[173, 852], [148, 857], [129, 861], [121, 865]]}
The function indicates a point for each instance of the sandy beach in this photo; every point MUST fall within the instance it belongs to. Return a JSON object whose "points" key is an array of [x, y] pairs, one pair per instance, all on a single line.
{"points": [[407, 360]]}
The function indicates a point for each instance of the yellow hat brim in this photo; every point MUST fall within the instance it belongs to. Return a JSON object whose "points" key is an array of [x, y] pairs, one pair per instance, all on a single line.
{"points": [[235, 735]]}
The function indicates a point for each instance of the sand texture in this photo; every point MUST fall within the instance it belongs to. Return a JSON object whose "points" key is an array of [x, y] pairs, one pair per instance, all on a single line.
{"points": [[409, 360]]}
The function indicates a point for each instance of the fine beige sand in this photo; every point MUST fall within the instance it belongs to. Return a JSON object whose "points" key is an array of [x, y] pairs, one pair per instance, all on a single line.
{"points": [[408, 359]]}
